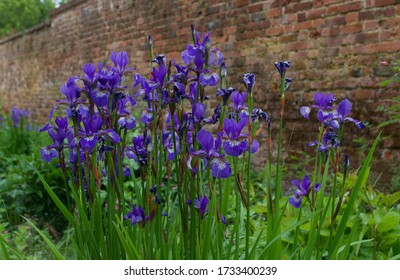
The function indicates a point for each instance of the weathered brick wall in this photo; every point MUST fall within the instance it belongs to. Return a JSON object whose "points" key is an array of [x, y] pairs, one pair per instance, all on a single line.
{"points": [[334, 45]]}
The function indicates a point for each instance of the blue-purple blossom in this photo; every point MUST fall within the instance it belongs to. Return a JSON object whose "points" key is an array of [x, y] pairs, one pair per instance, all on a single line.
{"points": [[225, 93], [236, 143], [120, 61], [139, 150], [168, 144], [223, 219], [249, 79], [342, 111], [17, 115], [127, 122], [208, 78], [200, 204], [238, 100], [281, 66], [201, 52], [323, 103], [220, 167], [136, 216], [48, 153], [303, 189], [260, 115]]}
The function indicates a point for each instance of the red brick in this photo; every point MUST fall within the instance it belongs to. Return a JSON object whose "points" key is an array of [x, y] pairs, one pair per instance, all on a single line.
{"points": [[380, 3], [302, 6], [370, 25], [351, 17], [352, 28], [329, 2], [388, 47], [317, 13], [271, 13]]}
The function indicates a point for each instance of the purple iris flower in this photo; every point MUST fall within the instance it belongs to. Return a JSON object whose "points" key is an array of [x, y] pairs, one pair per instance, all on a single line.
{"points": [[343, 110], [238, 100], [139, 150], [100, 97], [282, 66], [329, 140], [17, 115], [136, 216], [259, 114], [120, 61], [216, 115], [147, 116], [92, 131], [168, 144], [90, 71], [160, 73], [225, 93], [201, 205], [198, 112], [303, 189], [220, 167], [197, 53], [208, 78], [323, 103], [58, 134], [236, 142], [48, 153], [223, 219], [249, 79], [127, 122], [148, 91]]}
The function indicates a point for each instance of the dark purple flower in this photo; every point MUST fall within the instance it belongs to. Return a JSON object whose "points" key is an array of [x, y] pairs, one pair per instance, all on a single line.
{"points": [[201, 205], [303, 189], [287, 83], [90, 71], [160, 72], [136, 216], [17, 115], [323, 103], [48, 153], [147, 116], [225, 93], [120, 61], [260, 115], [208, 78], [127, 122], [100, 97], [223, 219], [220, 167], [282, 66], [139, 150], [343, 110], [249, 79], [238, 100], [236, 142], [198, 112], [168, 144], [72, 93]]}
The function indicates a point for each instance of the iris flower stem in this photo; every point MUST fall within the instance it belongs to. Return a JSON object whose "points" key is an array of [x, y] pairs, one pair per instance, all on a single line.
{"points": [[238, 211], [251, 135], [278, 179], [316, 162], [180, 199]]}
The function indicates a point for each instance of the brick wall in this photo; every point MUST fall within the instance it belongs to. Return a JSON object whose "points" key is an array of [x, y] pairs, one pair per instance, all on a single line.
{"points": [[334, 45]]}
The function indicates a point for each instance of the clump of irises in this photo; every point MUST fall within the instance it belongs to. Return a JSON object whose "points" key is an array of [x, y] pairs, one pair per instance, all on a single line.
{"points": [[176, 159]]}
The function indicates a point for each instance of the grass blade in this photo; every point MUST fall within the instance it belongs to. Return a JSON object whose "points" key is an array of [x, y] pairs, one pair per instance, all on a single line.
{"points": [[53, 248], [353, 197]]}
